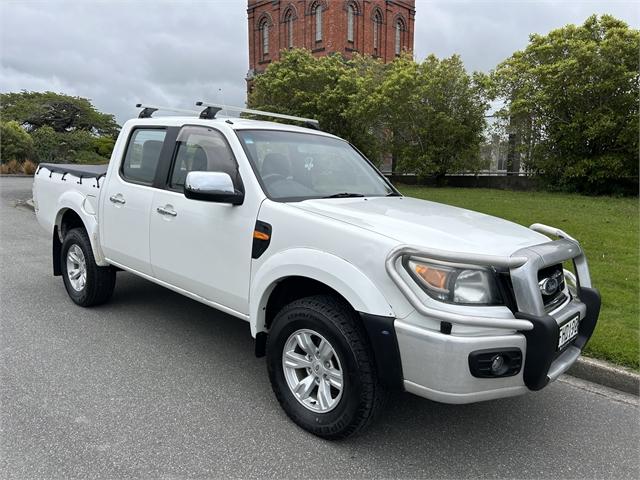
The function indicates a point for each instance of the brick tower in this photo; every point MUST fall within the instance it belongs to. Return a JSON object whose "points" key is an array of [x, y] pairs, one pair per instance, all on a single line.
{"points": [[381, 28]]}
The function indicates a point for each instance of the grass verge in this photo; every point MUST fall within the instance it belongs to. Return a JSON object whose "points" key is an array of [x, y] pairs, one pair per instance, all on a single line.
{"points": [[607, 228]]}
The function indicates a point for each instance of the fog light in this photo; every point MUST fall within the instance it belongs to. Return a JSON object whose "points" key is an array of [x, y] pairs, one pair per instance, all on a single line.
{"points": [[493, 363], [498, 365]]}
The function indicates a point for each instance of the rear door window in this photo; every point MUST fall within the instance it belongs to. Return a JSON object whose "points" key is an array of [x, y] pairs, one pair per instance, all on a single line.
{"points": [[143, 155]]}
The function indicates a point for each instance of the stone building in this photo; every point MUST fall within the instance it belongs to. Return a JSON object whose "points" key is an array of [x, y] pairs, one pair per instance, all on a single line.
{"points": [[381, 28]]}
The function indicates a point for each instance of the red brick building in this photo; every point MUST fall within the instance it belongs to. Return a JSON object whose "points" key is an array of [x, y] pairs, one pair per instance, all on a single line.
{"points": [[381, 28]]}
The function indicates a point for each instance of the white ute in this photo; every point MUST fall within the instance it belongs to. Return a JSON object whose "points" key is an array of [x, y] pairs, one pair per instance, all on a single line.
{"points": [[351, 289]]}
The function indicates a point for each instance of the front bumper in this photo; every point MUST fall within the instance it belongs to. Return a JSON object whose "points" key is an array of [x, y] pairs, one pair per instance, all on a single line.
{"points": [[435, 364]]}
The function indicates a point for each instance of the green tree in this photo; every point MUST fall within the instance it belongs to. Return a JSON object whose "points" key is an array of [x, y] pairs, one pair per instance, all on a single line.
{"points": [[63, 113], [429, 115], [15, 143], [78, 146], [321, 88], [572, 99], [63, 128], [103, 146], [432, 113], [47, 145]]}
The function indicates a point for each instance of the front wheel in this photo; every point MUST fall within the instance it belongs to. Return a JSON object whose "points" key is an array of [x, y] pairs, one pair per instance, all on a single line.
{"points": [[321, 367], [87, 284]]}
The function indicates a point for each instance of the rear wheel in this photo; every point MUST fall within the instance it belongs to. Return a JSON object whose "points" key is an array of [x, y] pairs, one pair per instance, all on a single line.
{"points": [[87, 284], [321, 367]]}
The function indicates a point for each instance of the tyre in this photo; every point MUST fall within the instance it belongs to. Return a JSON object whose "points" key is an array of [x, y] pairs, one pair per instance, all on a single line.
{"points": [[322, 369], [87, 284]]}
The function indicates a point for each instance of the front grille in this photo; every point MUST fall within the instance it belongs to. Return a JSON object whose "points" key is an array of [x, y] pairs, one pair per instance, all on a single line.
{"points": [[552, 286]]}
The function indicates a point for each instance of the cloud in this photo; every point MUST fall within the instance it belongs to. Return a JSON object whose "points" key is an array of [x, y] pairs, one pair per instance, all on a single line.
{"points": [[176, 52], [485, 32], [120, 53]]}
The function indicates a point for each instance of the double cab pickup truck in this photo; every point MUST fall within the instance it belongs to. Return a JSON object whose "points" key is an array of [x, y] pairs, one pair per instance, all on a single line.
{"points": [[350, 288]]}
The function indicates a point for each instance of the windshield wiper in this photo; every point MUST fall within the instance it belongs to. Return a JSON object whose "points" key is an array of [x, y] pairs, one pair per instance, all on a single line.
{"points": [[344, 195]]}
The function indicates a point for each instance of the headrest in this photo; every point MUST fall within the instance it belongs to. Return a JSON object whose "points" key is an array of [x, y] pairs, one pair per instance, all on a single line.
{"points": [[199, 161]]}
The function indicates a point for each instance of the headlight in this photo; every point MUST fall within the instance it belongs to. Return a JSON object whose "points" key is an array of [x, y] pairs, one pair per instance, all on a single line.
{"points": [[464, 285]]}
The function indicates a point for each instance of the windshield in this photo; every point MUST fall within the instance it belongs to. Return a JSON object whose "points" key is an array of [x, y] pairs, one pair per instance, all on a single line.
{"points": [[299, 166]]}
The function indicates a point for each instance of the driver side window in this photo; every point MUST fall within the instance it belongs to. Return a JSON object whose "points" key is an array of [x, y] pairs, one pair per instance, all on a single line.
{"points": [[202, 149]]}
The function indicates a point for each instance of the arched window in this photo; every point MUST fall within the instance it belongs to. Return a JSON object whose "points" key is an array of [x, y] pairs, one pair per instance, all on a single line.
{"points": [[264, 37], [318, 14], [288, 21], [399, 33], [377, 24], [351, 14]]}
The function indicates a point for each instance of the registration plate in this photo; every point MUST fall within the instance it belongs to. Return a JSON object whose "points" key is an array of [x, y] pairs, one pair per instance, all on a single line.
{"points": [[568, 331]]}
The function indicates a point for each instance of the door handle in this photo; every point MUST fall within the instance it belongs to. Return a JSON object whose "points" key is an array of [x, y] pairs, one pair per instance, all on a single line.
{"points": [[164, 211], [117, 199]]}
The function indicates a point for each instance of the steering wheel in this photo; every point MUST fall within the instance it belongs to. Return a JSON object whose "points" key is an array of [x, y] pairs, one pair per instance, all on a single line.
{"points": [[272, 178]]}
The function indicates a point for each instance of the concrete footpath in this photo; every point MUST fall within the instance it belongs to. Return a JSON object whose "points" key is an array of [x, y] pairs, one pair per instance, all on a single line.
{"points": [[607, 374]]}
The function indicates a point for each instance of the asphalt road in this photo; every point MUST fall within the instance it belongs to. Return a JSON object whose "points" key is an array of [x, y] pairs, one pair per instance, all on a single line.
{"points": [[154, 385]]}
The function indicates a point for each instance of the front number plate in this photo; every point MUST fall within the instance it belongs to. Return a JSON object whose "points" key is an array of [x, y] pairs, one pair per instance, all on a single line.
{"points": [[568, 331]]}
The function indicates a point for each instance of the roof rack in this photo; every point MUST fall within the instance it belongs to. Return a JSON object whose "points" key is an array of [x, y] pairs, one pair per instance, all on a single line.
{"points": [[212, 109], [148, 110]]}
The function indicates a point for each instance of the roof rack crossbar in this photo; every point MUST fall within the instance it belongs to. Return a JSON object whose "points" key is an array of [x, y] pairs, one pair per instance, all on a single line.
{"points": [[310, 122], [149, 110]]}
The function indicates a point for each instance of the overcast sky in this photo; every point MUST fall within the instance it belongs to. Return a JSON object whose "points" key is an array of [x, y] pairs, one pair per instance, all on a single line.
{"points": [[175, 52]]}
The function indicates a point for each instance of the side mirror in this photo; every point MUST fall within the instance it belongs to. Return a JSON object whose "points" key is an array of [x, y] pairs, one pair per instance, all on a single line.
{"points": [[212, 187]]}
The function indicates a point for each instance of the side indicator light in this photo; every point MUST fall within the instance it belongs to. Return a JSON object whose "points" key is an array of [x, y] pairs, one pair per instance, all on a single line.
{"points": [[261, 235], [261, 239]]}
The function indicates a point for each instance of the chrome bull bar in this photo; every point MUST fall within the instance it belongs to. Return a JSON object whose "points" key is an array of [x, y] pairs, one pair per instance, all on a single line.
{"points": [[522, 264], [582, 269]]}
